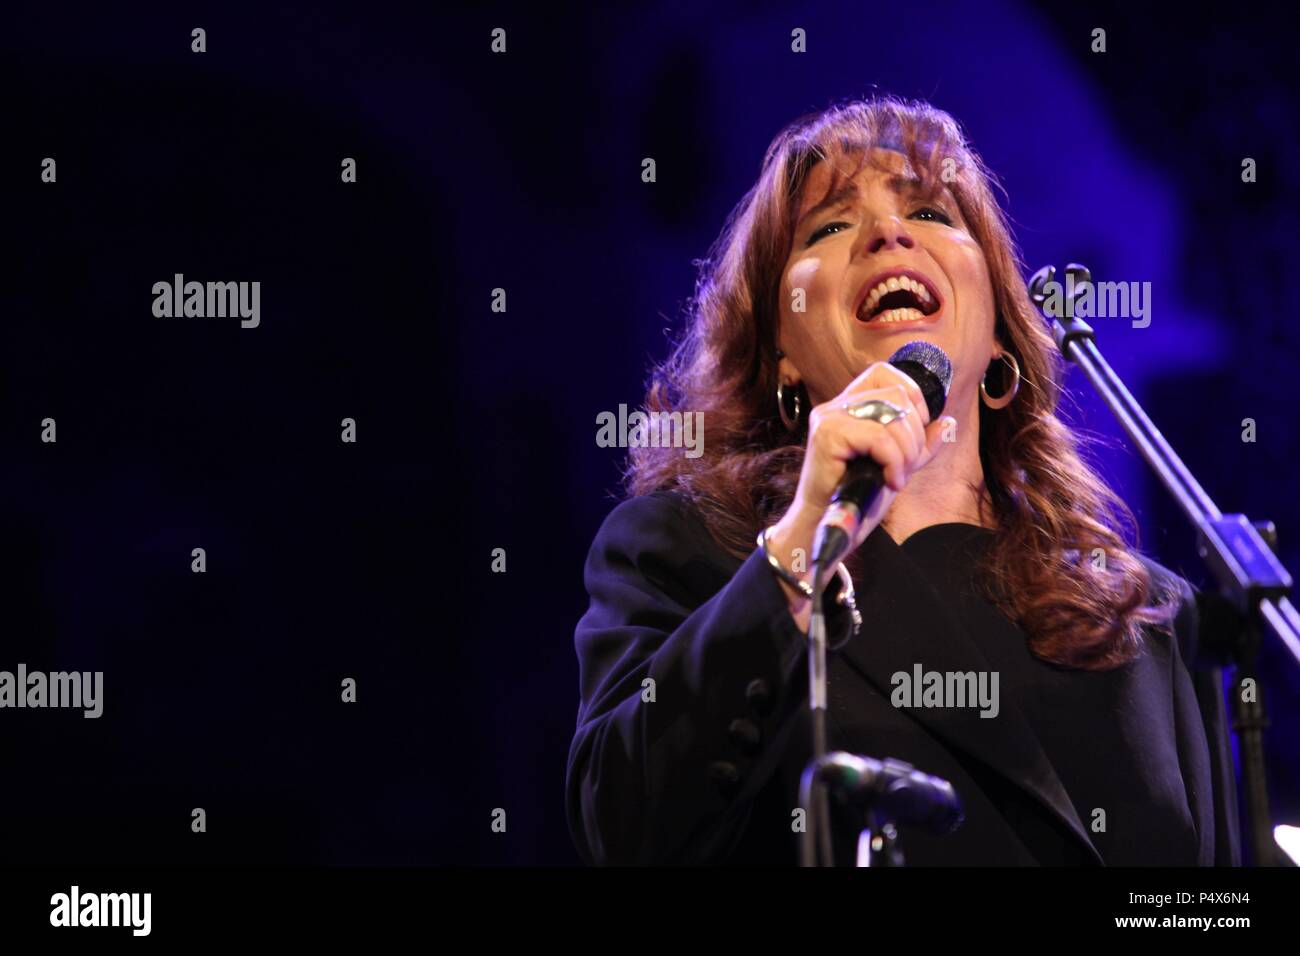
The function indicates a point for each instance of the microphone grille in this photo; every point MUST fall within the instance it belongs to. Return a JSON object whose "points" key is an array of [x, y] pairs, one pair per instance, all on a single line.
{"points": [[928, 356]]}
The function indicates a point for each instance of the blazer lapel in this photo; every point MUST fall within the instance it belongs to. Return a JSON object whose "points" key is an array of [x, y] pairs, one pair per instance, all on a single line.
{"points": [[917, 625]]}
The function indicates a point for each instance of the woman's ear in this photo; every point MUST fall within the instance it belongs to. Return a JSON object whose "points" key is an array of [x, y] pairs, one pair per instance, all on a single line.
{"points": [[786, 370]]}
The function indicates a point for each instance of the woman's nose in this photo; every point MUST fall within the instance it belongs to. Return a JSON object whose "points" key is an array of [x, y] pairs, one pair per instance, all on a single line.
{"points": [[888, 232]]}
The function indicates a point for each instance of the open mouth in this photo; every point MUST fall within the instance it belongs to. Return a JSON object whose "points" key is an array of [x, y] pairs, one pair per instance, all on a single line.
{"points": [[899, 295]]}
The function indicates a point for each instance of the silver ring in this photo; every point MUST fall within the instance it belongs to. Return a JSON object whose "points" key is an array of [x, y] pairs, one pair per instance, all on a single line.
{"points": [[877, 410]]}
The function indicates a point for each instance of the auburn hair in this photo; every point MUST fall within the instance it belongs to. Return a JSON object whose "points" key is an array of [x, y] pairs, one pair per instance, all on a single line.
{"points": [[1050, 509]]}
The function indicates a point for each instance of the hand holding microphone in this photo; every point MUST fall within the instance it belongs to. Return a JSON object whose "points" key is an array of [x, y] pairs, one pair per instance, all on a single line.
{"points": [[863, 462]]}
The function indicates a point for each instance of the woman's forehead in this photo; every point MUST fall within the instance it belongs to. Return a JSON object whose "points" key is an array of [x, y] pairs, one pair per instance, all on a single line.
{"points": [[838, 169], [859, 162]]}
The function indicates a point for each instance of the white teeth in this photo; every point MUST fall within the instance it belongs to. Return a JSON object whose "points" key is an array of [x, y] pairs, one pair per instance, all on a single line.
{"points": [[900, 315], [893, 284]]}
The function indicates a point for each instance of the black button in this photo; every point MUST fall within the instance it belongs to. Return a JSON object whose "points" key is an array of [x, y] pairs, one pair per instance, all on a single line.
{"points": [[725, 776], [759, 695], [745, 735]]}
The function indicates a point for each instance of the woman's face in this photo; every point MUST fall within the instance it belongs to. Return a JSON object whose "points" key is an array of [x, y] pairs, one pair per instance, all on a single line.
{"points": [[842, 253]]}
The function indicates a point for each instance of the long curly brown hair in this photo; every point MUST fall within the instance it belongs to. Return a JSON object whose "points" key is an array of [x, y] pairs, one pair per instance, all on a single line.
{"points": [[1050, 509]]}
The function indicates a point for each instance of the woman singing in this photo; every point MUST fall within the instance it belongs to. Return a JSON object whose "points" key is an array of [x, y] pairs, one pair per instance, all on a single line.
{"points": [[994, 550]]}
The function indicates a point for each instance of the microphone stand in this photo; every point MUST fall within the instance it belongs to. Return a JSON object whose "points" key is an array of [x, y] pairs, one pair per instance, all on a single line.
{"points": [[884, 792], [816, 840], [1248, 574]]}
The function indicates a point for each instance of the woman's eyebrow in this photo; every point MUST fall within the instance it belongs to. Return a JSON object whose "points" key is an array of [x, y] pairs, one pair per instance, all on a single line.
{"points": [[924, 187], [847, 189]]}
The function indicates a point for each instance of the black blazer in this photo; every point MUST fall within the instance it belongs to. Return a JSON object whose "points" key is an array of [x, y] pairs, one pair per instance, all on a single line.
{"points": [[708, 771]]}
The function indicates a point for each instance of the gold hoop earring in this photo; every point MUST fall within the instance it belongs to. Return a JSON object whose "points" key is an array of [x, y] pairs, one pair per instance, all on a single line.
{"points": [[791, 424], [1003, 400]]}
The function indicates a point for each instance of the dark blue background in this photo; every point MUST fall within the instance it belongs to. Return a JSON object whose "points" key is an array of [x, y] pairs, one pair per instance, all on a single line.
{"points": [[477, 429]]}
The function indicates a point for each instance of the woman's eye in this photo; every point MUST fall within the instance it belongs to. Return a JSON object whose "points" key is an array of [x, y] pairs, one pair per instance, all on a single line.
{"points": [[935, 215], [822, 231], [925, 213]]}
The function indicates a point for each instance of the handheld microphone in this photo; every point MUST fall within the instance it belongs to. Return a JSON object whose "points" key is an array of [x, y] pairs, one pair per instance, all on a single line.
{"points": [[928, 366]]}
